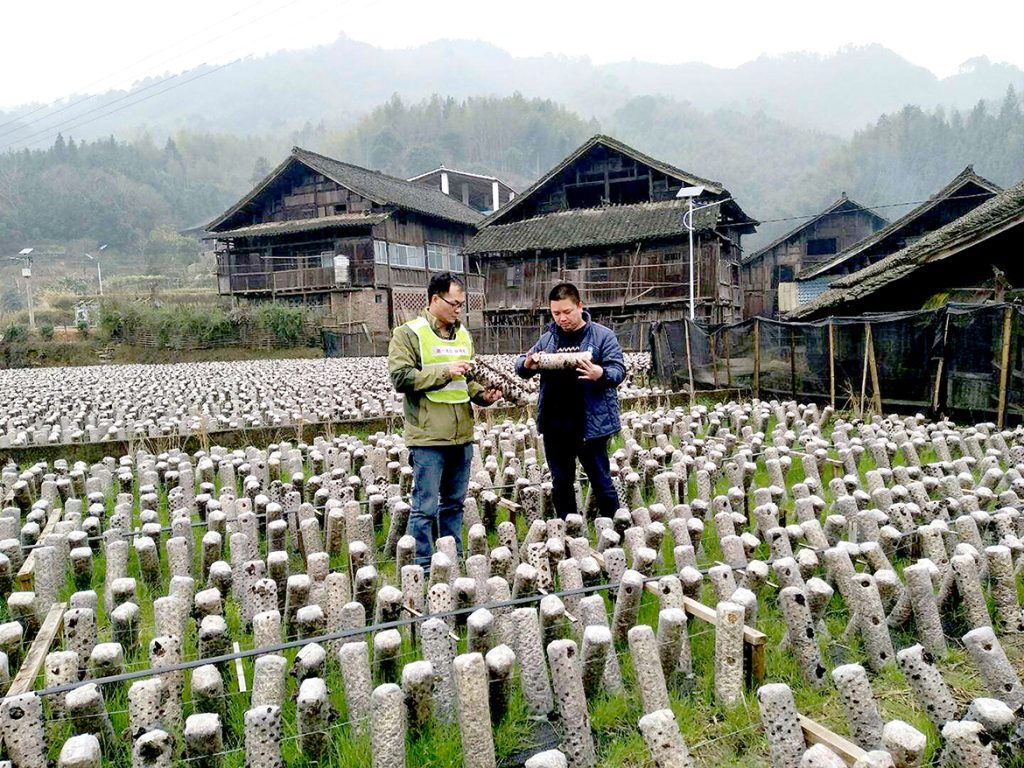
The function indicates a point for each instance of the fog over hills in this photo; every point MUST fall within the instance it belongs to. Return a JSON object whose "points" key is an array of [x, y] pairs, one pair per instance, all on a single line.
{"points": [[334, 84]]}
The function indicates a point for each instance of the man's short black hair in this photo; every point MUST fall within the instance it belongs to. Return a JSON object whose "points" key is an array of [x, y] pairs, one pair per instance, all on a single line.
{"points": [[565, 291], [441, 283]]}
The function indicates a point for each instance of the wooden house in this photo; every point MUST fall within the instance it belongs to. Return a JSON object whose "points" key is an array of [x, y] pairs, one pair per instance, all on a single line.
{"points": [[964, 193], [607, 219], [359, 244], [768, 274], [974, 258], [481, 193]]}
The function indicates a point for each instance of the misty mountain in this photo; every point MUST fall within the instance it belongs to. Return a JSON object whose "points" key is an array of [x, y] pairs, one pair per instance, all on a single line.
{"points": [[334, 85]]}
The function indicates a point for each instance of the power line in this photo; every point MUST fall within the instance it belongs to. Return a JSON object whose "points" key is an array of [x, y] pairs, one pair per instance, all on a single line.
{"points": [[20, 124], [73, 122]]}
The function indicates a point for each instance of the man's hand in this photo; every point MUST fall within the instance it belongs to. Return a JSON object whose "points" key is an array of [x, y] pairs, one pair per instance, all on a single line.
{"points": [[459, 368], [530, 363], [491, 395], [589, 370]]}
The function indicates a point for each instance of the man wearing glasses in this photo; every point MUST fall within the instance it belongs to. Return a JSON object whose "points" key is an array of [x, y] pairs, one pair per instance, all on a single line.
{"points": [[428, 359], [578, 410]]}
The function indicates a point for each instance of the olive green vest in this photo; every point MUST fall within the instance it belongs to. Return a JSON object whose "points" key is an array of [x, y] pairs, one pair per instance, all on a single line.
{"points": [[437, 352]]}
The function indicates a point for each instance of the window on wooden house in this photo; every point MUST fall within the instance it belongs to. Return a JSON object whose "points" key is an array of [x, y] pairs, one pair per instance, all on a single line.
{"points": [[599, 271], [380, 252], [572, 261], [406, 256], [435, 256], [456, 261], [821, 246], [783, 273], [513, 277]]}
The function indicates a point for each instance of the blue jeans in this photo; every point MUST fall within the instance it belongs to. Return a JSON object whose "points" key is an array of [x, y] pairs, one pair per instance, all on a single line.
{"points": [[440, 476]]}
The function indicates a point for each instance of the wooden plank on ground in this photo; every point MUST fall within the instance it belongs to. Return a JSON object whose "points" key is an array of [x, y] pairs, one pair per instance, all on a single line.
{"points": [[37, 652], [815, 733], [27, 567]]}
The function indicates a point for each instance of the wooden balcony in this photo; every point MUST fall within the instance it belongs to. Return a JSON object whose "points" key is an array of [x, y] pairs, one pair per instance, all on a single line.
{"points": [[284, 281]]}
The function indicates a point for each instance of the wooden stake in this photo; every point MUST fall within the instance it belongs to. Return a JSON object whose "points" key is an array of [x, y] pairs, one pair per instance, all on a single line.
{"points": [[689, 360], [864, 373], [714, 360], [728, 367], [792, 362], [942, 362], [815, 733], [832, 364], [1004, 370], [753, 641], [877, 398], [36, 655], [757, 357]]}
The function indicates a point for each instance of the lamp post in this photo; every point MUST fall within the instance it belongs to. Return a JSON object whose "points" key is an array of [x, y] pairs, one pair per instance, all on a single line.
{"points": [[99, 273], [25, 257], [690, 193]]}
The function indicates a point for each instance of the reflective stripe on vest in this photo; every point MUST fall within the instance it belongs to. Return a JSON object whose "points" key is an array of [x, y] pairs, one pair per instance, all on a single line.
{"points": [[436, 352]]}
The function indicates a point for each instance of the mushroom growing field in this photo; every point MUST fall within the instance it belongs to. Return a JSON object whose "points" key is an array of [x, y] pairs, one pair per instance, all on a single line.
{"points": [[782, 585]]}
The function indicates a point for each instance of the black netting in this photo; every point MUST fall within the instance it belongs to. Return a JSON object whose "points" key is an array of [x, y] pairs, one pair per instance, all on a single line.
{"points": [[337, 344], [830, 359], [974, 350]]}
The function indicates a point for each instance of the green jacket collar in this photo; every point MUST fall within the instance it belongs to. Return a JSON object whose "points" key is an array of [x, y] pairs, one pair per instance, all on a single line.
{"points": [[435, 325]]}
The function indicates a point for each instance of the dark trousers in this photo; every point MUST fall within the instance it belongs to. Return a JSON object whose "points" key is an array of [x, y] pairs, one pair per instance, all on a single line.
{"points": [[561, 452]]}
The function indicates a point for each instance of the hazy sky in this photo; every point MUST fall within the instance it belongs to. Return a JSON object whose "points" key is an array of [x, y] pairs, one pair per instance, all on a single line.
{"points": [[51, 49]]}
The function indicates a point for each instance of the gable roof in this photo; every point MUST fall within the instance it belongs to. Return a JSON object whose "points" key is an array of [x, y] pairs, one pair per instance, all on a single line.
{"points": [[373, 185], [714, 187], [842, 202], [588, 227], [1001, 212], [961, 180]]}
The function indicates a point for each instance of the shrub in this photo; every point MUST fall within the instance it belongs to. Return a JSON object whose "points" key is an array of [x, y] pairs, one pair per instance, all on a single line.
{"points": [[46, 332], [14, 333], [83, 329]]}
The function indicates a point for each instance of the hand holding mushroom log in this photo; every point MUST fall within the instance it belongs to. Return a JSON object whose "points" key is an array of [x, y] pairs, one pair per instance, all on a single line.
{"points": [[567, 358], [460, 368]]}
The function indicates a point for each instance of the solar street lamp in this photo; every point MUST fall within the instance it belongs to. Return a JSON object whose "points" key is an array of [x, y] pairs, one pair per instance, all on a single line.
{"points": [[99, 273], [690, 193]]}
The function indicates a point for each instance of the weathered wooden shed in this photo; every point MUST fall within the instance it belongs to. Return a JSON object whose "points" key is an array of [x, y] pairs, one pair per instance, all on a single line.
{"points": [[359, 244], [975, 256], [768, 274], [965, 192], [607, 219]]}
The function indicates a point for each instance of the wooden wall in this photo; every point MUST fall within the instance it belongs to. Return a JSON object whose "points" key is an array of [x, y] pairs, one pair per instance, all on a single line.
{"points": [[620, 278], [760, 277]]}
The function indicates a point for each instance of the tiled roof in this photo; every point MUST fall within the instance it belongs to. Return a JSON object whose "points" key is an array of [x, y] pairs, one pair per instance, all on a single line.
{"points": [[713, 187], [341, 221], [588, 227], [965, 177], [376, 186], [1004, 210]]}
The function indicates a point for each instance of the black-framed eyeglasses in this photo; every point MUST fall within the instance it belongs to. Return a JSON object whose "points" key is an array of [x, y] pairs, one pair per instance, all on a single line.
{"points": [[455, 304]]}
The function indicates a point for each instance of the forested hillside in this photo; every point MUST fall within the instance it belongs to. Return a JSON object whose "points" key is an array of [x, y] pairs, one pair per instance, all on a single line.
{"points": [[119, 191], [338, 83]]}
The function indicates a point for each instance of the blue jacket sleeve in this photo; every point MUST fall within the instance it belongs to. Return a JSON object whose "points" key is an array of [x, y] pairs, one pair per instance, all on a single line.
{"points": [[521, 369], [612, 361]]}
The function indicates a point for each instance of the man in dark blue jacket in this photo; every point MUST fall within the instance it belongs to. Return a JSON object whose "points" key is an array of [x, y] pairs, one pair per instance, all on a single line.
{"points": [[578, 410]]}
